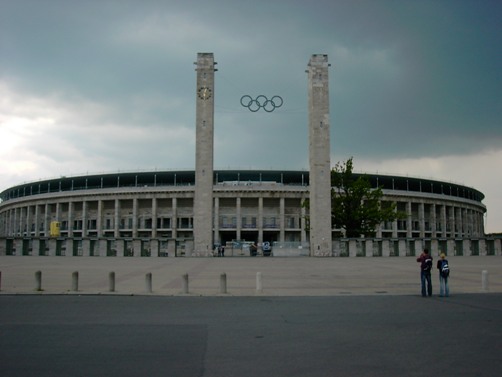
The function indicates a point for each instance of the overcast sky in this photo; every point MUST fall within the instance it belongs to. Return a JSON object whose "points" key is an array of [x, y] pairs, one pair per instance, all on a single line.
{"points": [[96, 86]]}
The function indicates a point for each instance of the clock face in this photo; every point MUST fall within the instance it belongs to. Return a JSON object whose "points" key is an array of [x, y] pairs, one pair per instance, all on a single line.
{"points": [[204, 92]]}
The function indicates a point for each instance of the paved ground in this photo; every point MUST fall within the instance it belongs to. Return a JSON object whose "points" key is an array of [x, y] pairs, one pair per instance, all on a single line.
{"points": [[135, 336], [314, 317], [280, 276]]}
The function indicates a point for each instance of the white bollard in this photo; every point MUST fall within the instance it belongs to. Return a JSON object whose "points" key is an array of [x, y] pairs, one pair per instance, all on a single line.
{"points": [[148, 282], [74, 281], [223, 283], [484, 281], [259, 283], [111, 281], [185, 283]]}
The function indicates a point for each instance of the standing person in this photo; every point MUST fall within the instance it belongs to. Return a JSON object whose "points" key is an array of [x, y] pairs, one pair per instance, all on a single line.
{"points": [[425, 260], [444, 273]]}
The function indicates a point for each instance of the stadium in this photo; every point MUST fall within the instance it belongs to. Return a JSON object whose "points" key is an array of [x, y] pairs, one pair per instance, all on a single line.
{"points": [[191, 213]]}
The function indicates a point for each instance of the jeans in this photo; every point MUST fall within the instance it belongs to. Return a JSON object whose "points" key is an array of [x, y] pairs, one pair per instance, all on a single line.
{"points": [[425, 277], [444, 290]]}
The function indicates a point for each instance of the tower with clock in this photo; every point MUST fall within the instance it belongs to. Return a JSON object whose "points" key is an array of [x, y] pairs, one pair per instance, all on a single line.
{"points": [[204, 149]]}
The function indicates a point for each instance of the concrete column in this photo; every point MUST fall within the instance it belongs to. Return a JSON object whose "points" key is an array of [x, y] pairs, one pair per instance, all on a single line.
{"points": [[216, 220], [482, 247], [47, 220], [352, 248], [385, 248], [29, 221], [154, 248], [498, 247], [433, 220], [137, 247], [368, 245], [450, 247], [303, 223], [99, 220], [421, 218], [37, 220], [260, 218], [204, 155], [117, 219], [70, 218], [52, 247], [120, 246], [154, 217], [402, 247], [281, 219], [444, 224], [174, 221], [86, 247], [135, 217], [85, 217], [238, 214], [409, 223], [319, 156]]}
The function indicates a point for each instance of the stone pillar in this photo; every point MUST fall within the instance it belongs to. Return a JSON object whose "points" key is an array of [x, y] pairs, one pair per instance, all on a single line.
{"points": [[86, 247], [101, 247], [368, 246], [99, 220], [281, 219], [120, 246], [260, 218], [137, 248], [154, 217], [352, 248], [84, 218], [450, 247], [29, 221], [409, 220], [435, 247], [402, 247], [444, 224], [303, 223], [319, 156], [117, 219], [174, 224], [385, 248], [204, 154], [216, 220], [135, 217], [421, 218], [37, 220], [52, 247], [433, 220], [154, 248], [238, 214]]}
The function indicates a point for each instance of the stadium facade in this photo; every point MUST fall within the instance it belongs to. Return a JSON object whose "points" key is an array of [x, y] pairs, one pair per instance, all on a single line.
{"points": [[187, 213]]}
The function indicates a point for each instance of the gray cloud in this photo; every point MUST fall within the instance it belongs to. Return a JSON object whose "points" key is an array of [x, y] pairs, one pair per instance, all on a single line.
{"points": [[115, 78]]}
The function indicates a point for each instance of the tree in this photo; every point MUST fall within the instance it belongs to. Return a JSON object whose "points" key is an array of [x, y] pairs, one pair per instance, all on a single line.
{"points": [[355, 205]]}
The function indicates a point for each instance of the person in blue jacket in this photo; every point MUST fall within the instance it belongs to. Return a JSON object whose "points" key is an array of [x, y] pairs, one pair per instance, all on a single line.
{"points": [[444, 273]]}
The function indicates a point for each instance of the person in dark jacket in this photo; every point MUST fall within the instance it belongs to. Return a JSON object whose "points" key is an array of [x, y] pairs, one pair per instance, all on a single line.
{"points": [[444, 273], [425, 260]]}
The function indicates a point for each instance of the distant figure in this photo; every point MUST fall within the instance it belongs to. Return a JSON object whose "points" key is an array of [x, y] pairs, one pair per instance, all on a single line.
{"points": [[253, 250], [444, 273], [222, 250], [425, 261]]}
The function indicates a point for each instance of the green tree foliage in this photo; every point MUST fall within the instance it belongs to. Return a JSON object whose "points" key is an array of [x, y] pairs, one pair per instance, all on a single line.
{"points": [[355, 205]]}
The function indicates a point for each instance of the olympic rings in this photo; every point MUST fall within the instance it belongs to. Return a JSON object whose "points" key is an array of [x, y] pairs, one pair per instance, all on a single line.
{"points": [[261, 102]]}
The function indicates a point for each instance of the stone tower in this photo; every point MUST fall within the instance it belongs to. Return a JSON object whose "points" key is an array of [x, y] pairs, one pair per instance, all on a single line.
{"points": [[204, 145], [319, 156]]}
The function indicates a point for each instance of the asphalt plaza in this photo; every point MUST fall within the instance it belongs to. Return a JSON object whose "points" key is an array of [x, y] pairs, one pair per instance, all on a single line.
{"points": [[356, 335]]}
